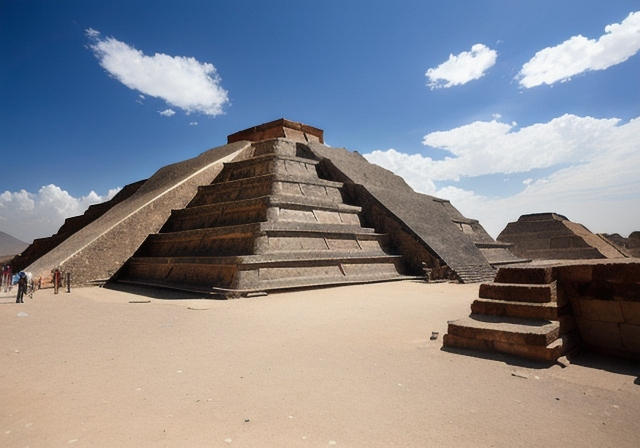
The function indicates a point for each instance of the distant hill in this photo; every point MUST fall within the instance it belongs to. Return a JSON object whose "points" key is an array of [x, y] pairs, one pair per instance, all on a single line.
{"points": [[10, 245]]}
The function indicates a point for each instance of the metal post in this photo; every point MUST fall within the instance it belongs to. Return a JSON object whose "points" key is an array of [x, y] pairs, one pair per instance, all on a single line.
{"points": [[68, 281], [56, 281]]}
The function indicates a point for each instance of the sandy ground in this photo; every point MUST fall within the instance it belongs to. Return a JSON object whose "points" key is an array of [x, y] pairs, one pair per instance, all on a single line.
{"points": [[348, 367]]}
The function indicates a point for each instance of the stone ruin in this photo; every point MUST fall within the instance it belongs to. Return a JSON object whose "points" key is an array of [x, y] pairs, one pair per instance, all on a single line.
{"points": [[629, 246], [274, 208], [550, 236], [582, 290], [547, 310]]}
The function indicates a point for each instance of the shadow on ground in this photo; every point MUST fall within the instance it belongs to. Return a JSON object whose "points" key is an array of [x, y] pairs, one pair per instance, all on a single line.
{"points": [[500, 357], [588, 359], [153, 292]]}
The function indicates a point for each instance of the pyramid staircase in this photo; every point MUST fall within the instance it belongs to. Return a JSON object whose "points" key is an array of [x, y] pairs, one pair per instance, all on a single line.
{"points": [[521, 313], [267, 222], [474, 273]]}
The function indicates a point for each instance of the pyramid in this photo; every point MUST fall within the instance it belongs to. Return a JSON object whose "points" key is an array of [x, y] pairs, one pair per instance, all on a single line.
{"points": [[275, 208], [266, 222], [550, 236]]}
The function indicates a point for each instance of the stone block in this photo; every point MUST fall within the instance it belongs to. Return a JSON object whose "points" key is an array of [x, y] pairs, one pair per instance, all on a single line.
{"points": [[538, 353], [579, 273], [602, 310], [570, 289], [548, 311], [528, 275], [509, 330], [627, 291], [630, 337], [519, 292], [600, 334], [617, 272], [631, 312], [599, 289]]}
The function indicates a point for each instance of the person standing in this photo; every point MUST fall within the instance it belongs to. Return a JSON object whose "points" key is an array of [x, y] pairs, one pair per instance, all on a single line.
{"points": [[22, 287], [6, 277]]}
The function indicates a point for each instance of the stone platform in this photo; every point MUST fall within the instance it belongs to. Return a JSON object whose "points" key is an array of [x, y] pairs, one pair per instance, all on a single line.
{"points": [[546, 310]]}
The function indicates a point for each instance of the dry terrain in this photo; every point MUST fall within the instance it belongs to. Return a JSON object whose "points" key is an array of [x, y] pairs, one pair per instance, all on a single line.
{"points": [[352, 366]]}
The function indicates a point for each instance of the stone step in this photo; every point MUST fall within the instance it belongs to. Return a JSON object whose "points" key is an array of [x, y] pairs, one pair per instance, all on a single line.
{"points": [[268, 164], [516, 292], [265, 208], [547, 311], [492, 245], [266, 185], [280, 147], [509, 330], [275, 271], [525, 275], [263, 238], [548, 353], [475, 274]]}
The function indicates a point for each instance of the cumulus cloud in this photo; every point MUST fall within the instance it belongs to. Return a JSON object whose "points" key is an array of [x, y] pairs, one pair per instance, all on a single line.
{"points": [[183, 82], [26, 215], [461, 69], [167, 112], [492, 147], [597, 170], [579, 54]]}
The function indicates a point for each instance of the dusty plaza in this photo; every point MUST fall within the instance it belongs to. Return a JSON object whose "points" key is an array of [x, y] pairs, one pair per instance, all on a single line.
{"points": [[352, 366]]}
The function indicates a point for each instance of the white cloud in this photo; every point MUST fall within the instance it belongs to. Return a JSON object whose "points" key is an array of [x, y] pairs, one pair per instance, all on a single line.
{"points": [[462, 68], [182, 82], [26, 216], [491, 147], [597, 180], [579, 54], [92, 33], [167, 112]]}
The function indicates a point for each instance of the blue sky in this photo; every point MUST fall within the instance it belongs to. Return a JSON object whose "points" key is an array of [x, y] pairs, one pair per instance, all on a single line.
{"points": [[503, 107]]}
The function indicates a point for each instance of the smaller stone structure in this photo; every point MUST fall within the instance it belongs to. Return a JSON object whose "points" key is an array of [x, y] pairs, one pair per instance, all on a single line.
{"points": [[550, 236], [544, 311], [629, 246]]}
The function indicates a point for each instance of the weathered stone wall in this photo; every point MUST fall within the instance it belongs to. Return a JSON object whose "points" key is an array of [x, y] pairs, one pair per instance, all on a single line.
{"points": [[605, 298], [423, 226], [99, 249]]}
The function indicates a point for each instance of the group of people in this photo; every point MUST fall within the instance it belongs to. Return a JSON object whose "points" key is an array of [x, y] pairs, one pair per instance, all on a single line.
{"points": [[23, 283]]}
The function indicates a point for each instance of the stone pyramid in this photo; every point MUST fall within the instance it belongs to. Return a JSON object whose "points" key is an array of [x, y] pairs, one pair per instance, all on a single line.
{"points": [[550, 236], [273, 208], [267, 221]]}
